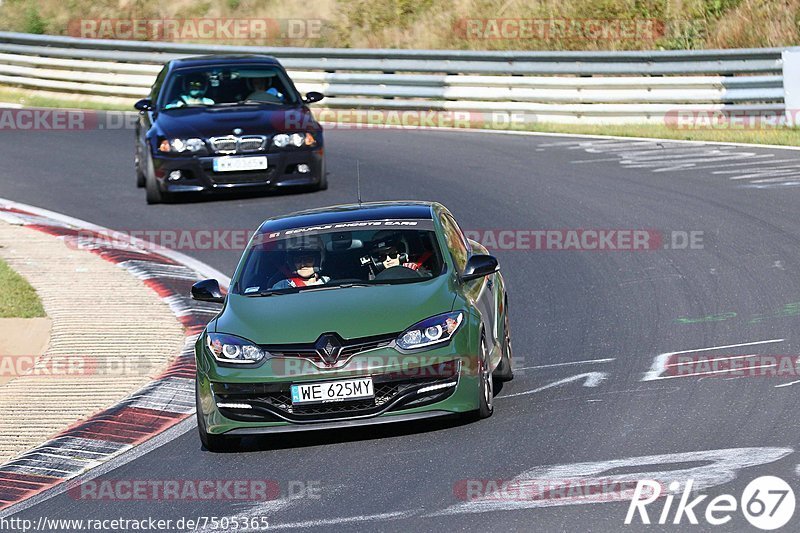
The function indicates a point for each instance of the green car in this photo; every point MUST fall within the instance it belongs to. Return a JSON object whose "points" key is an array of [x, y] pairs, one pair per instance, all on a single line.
{"points": [[349, 316]]}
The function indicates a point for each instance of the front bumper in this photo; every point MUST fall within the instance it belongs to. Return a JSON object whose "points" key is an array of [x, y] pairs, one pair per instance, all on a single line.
{"points": [[435, 383], [341, 424], [197, 174]]}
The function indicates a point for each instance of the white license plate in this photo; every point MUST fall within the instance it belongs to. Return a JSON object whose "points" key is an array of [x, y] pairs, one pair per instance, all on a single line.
{"points": [[239, 164], [333, 391]]}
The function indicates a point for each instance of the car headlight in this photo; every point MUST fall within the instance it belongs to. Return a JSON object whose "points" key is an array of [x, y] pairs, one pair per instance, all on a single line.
{"points": [[182, 145], [434, 330], [232, 349], [282, 140]]}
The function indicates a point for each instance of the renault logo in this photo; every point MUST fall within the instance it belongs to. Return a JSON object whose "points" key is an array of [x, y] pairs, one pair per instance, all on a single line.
{"points": [[328, 347]]}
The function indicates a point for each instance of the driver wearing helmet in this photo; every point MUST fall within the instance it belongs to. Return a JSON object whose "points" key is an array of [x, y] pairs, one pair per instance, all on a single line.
{"points": [[303, 268], [195, 87], [389, 251]]}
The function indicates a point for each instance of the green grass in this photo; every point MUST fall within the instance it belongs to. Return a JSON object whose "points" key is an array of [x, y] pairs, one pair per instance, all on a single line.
{"points": [[773, 136], [18, 299], [28, 98], [776, 136]]}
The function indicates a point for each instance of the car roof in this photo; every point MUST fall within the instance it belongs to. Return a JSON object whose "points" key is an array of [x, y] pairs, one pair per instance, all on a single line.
{"points": [[222, 59], [350, 213]]}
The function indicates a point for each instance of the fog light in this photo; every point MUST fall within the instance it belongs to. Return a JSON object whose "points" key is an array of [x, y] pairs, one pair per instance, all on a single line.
{"points": [[231, 405], [430, 388], [302, 168], [175, 175]]}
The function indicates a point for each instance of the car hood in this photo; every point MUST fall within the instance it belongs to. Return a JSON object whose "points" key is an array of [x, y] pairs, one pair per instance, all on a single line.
{"points": [[220, 121], [351, 312]]}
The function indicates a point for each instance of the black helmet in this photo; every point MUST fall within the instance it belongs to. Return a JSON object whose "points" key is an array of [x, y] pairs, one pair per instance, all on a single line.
{"points": [[195, 81], [304, 246], [387, 243]]}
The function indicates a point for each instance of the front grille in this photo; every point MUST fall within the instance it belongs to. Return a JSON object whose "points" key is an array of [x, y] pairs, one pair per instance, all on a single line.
{"points": [[232, 144], [242, 178], [392, 391], [349, 347], [251, 143], [224, 145]]}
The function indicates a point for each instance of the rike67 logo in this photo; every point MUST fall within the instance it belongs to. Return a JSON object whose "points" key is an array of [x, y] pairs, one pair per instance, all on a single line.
{"points": [[767, 503]]}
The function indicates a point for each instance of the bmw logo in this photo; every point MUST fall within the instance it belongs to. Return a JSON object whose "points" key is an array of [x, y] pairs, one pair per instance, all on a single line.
{"points": [[237, 131]]}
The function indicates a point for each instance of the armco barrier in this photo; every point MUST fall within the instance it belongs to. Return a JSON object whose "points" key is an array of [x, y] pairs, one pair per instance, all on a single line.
{"points": [[573, 87]]}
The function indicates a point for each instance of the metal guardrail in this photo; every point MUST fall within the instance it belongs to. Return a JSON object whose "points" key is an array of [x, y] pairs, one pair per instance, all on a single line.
{"points": [[579, 87]]}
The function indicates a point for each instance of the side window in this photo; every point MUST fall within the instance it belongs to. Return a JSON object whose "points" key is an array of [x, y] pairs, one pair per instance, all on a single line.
{"points": [[455, 242], [157, 85]]}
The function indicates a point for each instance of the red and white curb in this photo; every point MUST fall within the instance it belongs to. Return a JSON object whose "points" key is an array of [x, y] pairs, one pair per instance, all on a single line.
{"points": [[161, 404]]}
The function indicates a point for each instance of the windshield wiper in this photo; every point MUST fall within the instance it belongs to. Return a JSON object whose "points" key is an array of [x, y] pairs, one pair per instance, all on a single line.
{"points": [[327, 286], [184, 106], [271, 292], [251, 101]]}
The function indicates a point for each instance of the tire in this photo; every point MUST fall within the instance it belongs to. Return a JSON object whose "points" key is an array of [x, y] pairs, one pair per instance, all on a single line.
{"points": [[321, 186], [485, 388], [211, 442], [152, 192], [140, 177], [505, 370]]}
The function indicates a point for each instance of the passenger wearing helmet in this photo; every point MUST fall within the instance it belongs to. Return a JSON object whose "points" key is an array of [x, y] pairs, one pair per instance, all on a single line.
{"points": [[304, 269], [194, 92]]}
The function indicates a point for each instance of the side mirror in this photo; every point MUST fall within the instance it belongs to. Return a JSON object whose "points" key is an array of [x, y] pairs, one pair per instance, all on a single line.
{"points": [[312, 97], [144, 105], [207, 291], [478, 266]]}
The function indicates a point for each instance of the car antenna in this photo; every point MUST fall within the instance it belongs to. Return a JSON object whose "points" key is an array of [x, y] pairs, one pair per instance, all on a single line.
{"points": [[358, 181]]}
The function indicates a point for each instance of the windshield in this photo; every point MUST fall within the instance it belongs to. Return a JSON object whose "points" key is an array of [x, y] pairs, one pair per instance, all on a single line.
{"points": [[218, 86], [341, 254]]}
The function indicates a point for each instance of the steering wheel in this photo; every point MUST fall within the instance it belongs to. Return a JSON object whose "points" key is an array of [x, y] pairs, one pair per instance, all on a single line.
{"points": [[398, 272]]}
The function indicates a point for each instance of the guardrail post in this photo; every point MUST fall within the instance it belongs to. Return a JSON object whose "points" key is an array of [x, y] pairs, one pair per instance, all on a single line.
{"points": [[791, 84]]}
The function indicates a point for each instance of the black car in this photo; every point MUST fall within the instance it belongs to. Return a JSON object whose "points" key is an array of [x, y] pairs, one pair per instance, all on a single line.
{"points": [[221, 123]]}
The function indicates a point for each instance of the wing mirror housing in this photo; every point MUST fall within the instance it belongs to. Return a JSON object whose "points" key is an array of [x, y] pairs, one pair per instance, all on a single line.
{"points": [[480, 265], [144, 105], [312, 97], [207, 291]]}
